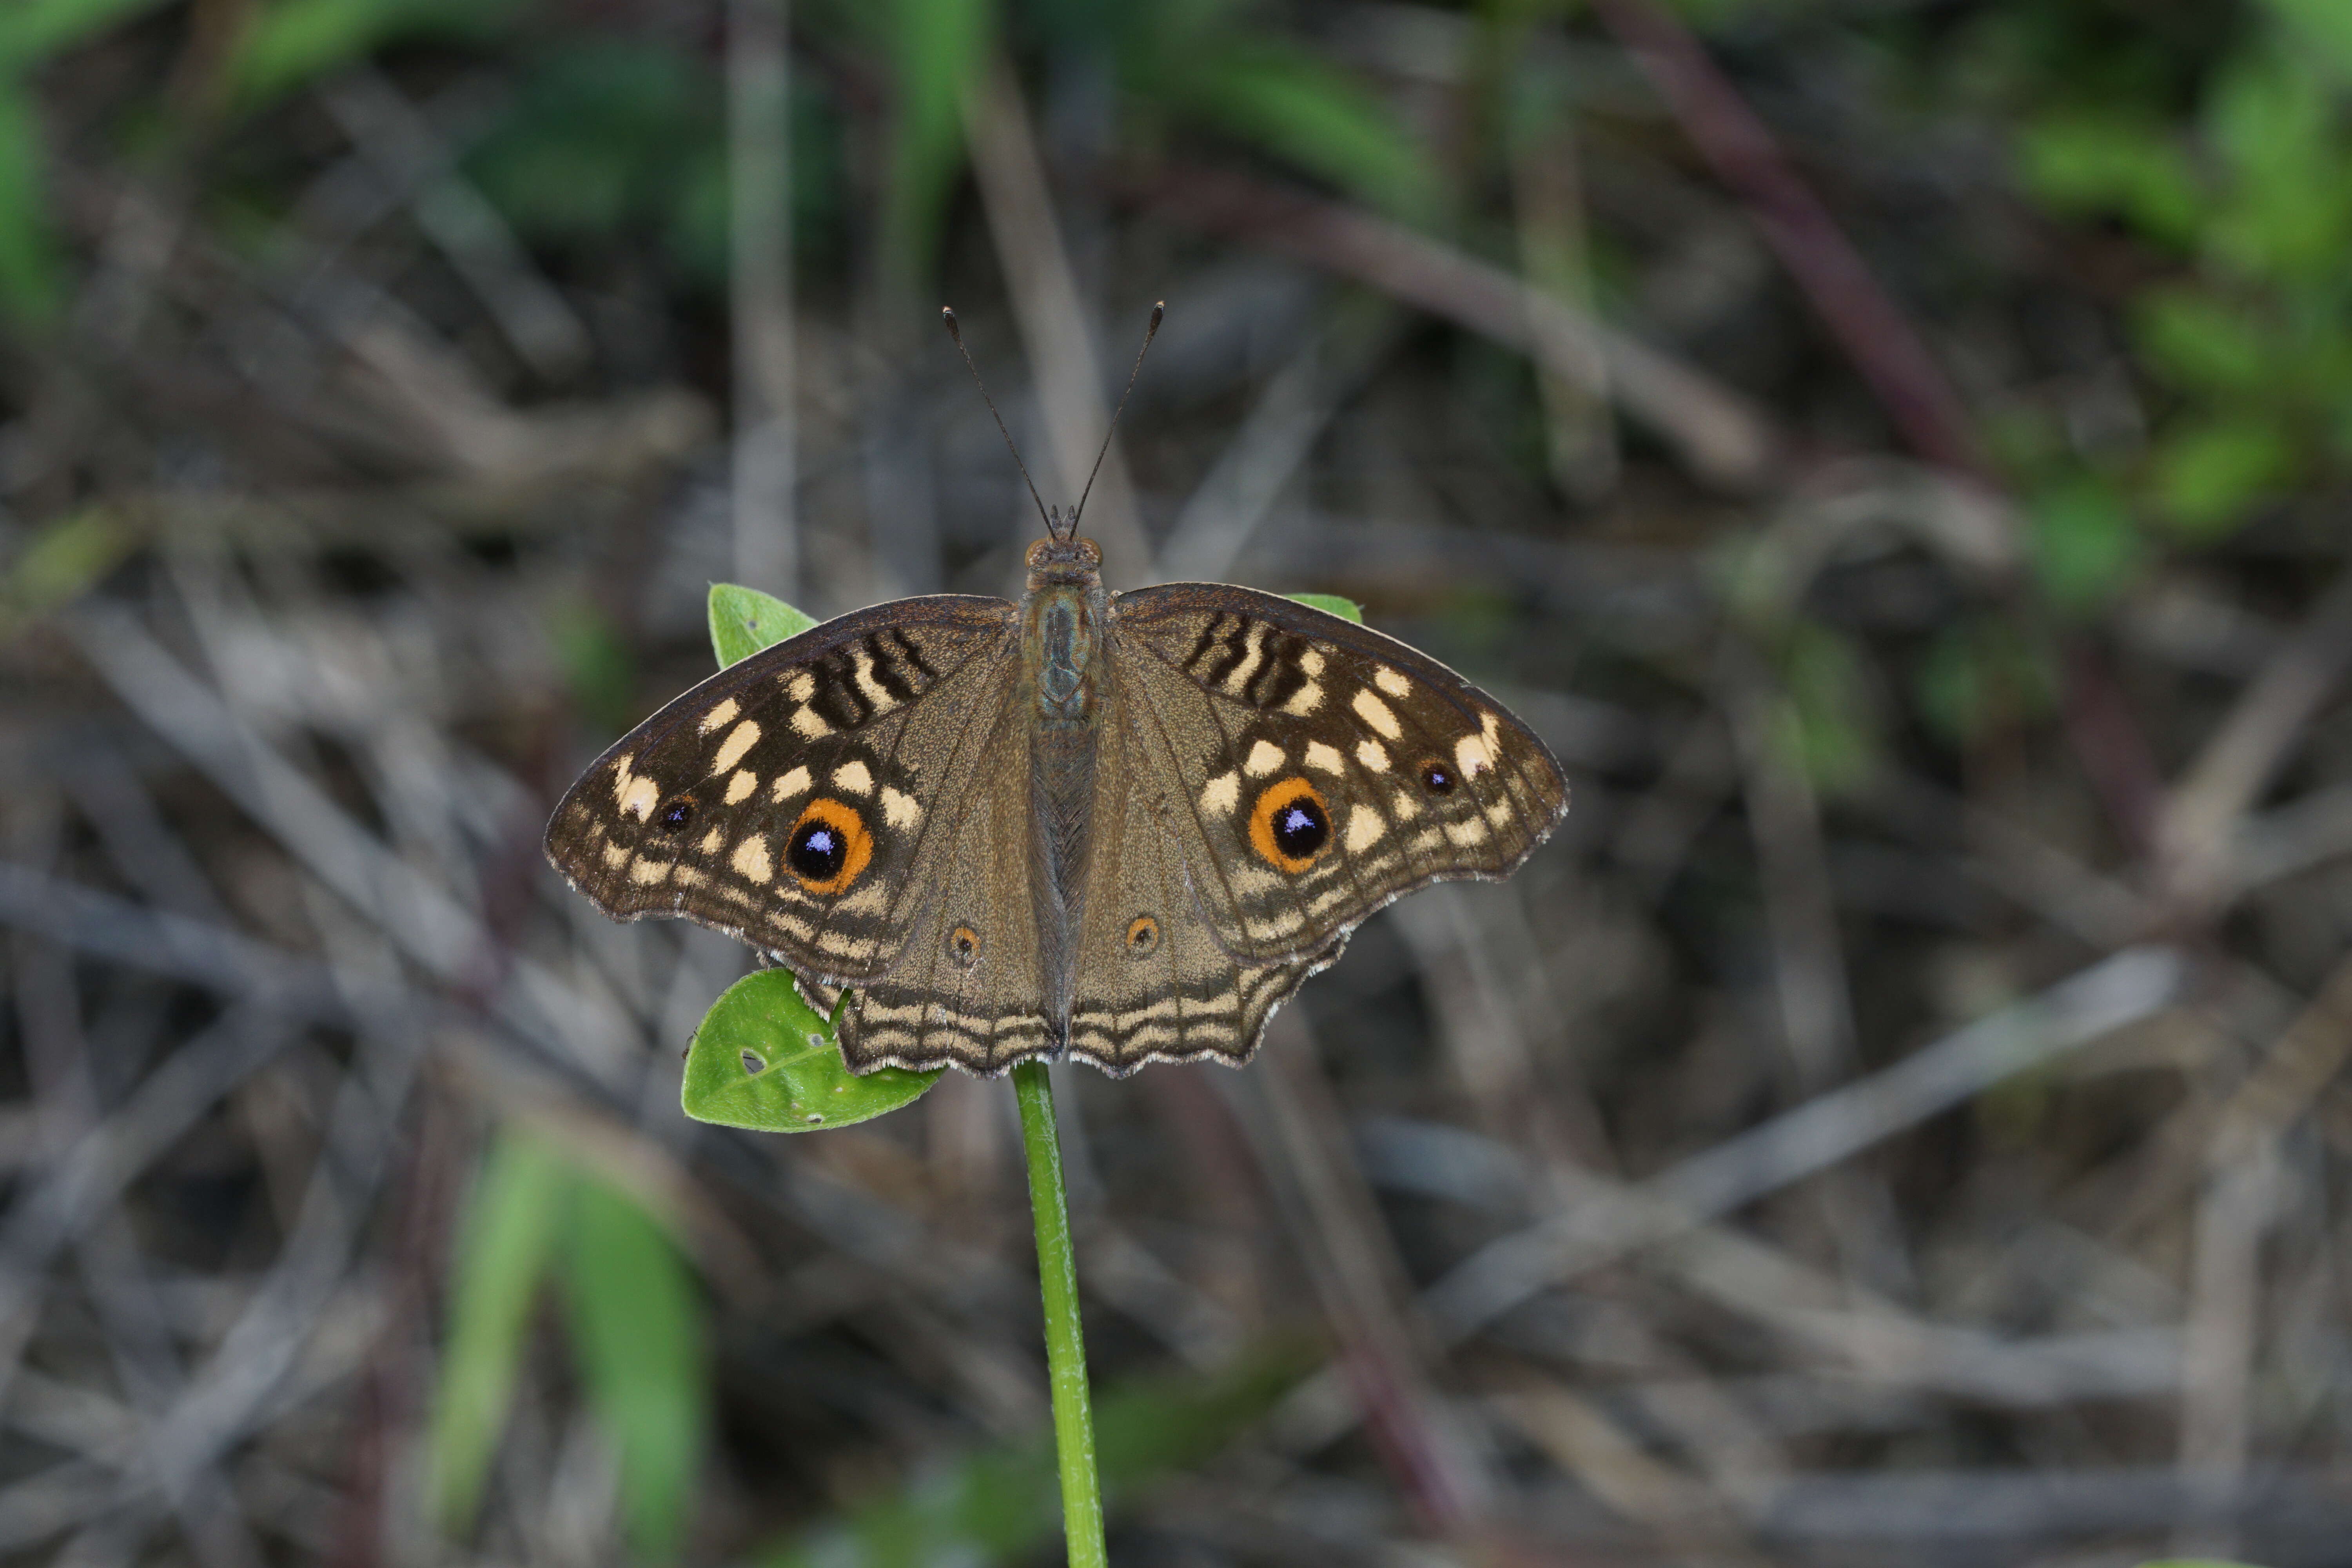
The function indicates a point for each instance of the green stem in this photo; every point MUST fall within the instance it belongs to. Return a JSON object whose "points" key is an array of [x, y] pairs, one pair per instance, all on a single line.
{"points": [[1065, 1341]]}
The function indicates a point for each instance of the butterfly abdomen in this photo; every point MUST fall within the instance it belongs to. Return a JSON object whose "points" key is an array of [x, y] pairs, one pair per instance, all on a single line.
{"points": [[1061, 653]]}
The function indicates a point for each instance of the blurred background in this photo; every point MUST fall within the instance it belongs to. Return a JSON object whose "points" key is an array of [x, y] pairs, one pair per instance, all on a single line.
{"points": [[1896, 451]]}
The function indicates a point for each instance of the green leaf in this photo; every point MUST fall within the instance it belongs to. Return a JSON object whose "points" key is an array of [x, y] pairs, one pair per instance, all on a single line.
{"points": [[2203, 342], [2273, 117], [1333, 605], [2209, 475], [765, 1060], [33, 30], [2326, 24], [293, 42], [2086, 162], [744, 620], [999, 1505], [502, 1249], [2083, 543], [636, 1329]]}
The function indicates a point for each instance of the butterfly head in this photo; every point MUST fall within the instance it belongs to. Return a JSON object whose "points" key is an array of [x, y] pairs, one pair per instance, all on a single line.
{"points": [[1064, 559]]}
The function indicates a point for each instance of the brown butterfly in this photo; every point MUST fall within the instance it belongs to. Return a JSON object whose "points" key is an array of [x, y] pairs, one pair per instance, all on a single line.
{"points": [[1120, 826]]}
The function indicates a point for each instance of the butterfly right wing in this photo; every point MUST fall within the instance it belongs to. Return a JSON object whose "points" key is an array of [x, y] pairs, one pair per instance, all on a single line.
{"points": [[857, 729], [1153, 982]]}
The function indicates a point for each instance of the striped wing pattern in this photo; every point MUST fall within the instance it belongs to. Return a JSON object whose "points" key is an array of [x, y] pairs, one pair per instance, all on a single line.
{"points": [[1247, 701], [693, 812]]}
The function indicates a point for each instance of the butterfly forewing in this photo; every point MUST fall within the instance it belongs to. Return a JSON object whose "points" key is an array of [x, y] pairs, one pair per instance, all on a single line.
{"points": [[1310, 770], [788, 800]]}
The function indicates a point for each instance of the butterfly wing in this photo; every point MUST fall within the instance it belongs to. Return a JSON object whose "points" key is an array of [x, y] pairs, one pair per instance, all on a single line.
{"points": [[1312, 770], [968, 987], [790, 800], [1152, 982]]}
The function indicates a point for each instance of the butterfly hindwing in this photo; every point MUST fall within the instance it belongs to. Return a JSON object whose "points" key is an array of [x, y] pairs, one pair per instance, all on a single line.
{"points": [[967, 987], [1312, 770], [1151, 981], [789, 799]]}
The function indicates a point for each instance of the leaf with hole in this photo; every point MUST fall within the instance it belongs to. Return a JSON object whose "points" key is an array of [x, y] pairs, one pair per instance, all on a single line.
{"points": [[765, 1060], [1333, 604], [744, 620]]}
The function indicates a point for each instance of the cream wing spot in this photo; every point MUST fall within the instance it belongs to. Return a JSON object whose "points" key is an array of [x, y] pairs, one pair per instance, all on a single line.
{"points": [[712, 840], [646, 873], [807, 724], [1375, 713], [788, 784], [1390, 681], [1325, 759], [1469, 833], [800, 686], [1264, 758], [740, 740], [876, 692], [640, 798], [1471, 756], [1238, 681], [1365, 826], [1373, 755], [1222, 794], [616, 856], [621, 779], [750, 859], [718, 718], [1311, 662], [853, 776], [900, 809], [1303, 702], [739, 787]]}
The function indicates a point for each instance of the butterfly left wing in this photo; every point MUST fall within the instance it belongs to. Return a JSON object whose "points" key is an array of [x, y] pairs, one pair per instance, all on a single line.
{"points": [[788, 799], [1310, 770]]}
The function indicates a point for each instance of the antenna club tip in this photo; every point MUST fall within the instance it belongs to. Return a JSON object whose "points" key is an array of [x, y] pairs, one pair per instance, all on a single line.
{"points": [[948, 317]]}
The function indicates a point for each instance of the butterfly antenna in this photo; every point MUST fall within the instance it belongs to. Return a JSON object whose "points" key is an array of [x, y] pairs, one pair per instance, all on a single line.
{"points": [[1158, 310], [955, 331]]}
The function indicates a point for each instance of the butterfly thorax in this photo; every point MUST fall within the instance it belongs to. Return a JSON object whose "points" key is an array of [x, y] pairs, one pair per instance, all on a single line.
{"points": [[1063, 691]]}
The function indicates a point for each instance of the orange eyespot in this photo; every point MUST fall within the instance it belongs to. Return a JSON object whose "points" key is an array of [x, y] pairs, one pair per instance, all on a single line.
{"points": [[1290, 826], [1143, 936], [828, 847], [963, 947]]}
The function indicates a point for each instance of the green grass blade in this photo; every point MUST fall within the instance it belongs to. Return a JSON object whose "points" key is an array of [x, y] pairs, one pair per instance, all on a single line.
{"points": [[503, 1241], [999, 1505], [31, 280], [636, 1327], [936, 47], [763, 1060], [744, 620]]}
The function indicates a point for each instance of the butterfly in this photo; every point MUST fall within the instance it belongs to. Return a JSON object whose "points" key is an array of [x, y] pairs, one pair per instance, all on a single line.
{"points": [[1123, 827]]}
